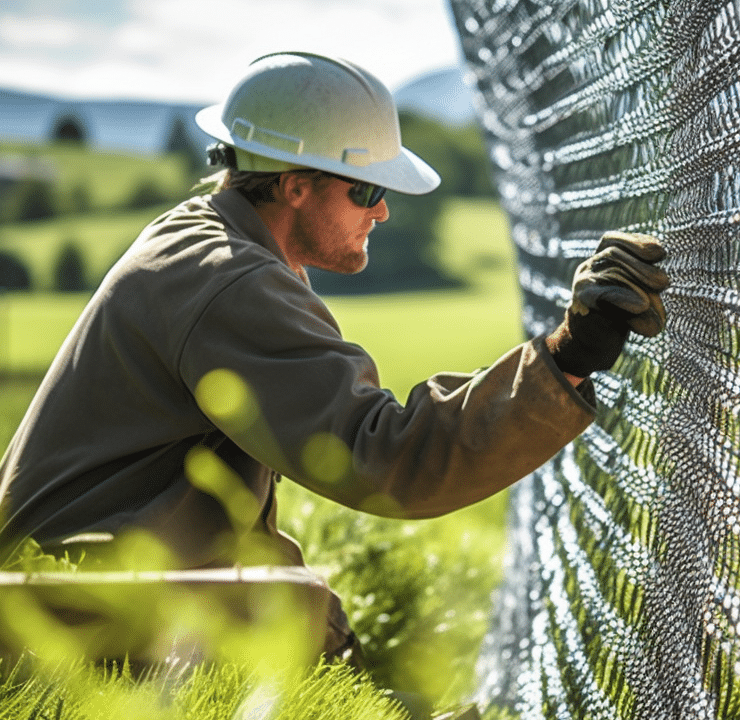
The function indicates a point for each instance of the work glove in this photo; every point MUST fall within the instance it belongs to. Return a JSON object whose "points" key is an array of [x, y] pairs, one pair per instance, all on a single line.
{"points": [[615, 291]]}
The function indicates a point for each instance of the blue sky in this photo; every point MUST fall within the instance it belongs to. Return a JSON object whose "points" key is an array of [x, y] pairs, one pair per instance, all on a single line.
{"points": [[196, 50]]}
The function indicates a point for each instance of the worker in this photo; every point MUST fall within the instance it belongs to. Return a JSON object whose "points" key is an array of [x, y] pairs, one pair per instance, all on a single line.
{"points": [[214, 295]]}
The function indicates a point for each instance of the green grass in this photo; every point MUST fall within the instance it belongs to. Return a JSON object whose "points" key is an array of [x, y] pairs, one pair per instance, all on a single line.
{"points": [[33, 327], [416, 335], [225, 692]]}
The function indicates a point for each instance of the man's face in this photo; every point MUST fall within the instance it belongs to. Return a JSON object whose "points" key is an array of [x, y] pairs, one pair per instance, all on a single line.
{"points": [[331, 231]]}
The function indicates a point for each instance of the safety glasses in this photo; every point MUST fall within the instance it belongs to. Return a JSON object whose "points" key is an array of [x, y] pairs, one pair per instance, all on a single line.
{"points": [[362, 193]]}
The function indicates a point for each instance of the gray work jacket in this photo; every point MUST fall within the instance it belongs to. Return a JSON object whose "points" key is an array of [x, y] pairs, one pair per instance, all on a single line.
{"points": [[106, 441]]}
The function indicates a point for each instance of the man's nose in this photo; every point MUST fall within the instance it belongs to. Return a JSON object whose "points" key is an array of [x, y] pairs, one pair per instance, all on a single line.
{"points": [[382, 212]]}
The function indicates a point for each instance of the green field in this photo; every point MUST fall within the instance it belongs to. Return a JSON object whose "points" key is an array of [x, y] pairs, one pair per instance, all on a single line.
{"points": [[107, 179], [101, 237]]}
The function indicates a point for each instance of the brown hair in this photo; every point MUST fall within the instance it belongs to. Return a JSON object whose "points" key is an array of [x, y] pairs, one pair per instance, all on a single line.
{"points": [[257, 187]]}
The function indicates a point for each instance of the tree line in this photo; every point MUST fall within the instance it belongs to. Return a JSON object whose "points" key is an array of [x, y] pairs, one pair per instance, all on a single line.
{"points": [[403, 249]]}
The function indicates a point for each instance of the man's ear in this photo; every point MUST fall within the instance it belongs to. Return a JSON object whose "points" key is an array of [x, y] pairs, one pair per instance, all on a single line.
{"points": [[293, 188]]}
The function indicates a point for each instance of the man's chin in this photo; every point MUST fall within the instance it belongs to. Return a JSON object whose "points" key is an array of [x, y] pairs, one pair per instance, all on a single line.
{"points": [[349, 265], [361, 265]]}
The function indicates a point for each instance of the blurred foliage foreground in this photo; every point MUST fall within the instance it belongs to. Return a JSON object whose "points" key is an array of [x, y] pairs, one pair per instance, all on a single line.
{"points": [[239, 643], [416, 594]]}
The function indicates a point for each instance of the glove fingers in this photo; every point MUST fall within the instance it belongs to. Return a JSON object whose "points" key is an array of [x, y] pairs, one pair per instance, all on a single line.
{"points": [[643, 247], [614, 300], [615, 262], [642, 312], [651, 322]]}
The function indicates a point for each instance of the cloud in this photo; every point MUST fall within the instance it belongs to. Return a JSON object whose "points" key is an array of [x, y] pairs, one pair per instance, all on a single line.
{"points": [[38, 32], [45, 34], [191, 50]]}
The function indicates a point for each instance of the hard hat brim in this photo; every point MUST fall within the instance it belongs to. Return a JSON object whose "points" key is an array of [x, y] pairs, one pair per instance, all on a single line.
{"points": [[406, 173]]}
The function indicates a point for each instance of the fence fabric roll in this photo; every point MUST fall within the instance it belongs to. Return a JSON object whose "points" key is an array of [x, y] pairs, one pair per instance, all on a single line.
{"points": [[622, 595]]}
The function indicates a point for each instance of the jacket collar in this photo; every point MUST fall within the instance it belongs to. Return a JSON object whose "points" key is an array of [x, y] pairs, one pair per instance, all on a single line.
{"points": [[239, 214]]}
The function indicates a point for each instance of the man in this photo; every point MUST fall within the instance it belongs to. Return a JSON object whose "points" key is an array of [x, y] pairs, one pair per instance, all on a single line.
{"points": [[214, 295]]}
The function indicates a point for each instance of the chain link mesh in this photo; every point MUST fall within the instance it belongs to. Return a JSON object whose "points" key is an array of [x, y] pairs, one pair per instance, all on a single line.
{"points": [[622, 597]]}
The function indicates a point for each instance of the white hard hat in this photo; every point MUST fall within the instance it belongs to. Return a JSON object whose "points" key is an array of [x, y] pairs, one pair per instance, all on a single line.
{"points": [[300, 110]]}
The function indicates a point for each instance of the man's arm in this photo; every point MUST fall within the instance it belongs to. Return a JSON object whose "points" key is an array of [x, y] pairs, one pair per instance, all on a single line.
{"points": [[459, 437]]}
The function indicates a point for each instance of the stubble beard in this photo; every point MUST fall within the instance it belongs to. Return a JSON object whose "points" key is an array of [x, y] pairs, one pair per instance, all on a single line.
{"points": [[346, 263], [340, 257]]}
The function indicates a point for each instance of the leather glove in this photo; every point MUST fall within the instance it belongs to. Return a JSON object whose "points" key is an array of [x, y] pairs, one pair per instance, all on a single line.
{"points": [[615, 291]]}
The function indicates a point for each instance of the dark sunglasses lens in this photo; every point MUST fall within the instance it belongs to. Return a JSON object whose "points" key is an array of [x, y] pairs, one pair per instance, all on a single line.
{"points": [[366, 195]]}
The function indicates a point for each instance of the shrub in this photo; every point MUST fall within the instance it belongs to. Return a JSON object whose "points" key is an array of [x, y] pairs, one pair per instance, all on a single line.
{"points": [[29, 199], [13, 273], [79, 199], [417, 599], [70, 274], [147, 194]]}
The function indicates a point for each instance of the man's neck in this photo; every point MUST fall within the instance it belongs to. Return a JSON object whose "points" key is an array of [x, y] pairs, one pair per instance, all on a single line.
{"points": [[279, 221]]}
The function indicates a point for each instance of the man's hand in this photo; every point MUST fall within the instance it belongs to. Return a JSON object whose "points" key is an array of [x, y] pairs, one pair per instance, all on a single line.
{"points": [[615, 291]]}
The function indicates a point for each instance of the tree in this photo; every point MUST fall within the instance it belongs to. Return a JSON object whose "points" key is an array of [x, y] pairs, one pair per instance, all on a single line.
{"points": [[70, 129], [458, 154], [402, 252], [146, 194], [13, 273], [180, 143], [31, 199], [69, 272]]}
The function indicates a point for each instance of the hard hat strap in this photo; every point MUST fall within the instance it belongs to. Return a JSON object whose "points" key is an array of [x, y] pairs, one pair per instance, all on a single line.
{"points": [[220, 154]]}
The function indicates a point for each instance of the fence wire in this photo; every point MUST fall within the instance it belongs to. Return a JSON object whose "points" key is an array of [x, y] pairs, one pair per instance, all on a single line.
{"points": [[622, 597]]}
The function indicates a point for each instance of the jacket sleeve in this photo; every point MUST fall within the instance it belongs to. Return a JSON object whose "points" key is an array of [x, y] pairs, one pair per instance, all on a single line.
{"points": [[319, 417]]}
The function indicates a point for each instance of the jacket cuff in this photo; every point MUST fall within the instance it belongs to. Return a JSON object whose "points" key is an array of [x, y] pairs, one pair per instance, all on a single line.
{"points": [[584, 395]]}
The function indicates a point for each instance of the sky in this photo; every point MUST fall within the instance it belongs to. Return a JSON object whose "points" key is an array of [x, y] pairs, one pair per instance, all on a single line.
{"points": [[197, 50]]}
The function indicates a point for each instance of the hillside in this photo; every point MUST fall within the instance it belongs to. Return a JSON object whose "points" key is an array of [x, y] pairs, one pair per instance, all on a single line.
{"points": [[147, 127]]}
